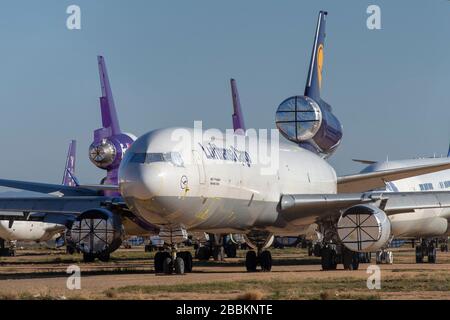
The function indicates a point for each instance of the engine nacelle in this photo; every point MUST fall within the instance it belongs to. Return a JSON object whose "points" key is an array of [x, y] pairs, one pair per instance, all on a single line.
{"points": [[309, 123], [364, 228], [96, 231], [108, 152]]}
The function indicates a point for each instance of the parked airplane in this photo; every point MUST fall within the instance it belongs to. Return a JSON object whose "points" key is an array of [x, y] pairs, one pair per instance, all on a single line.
{"points": [[215, 185], [39, 226], [424, 224]]}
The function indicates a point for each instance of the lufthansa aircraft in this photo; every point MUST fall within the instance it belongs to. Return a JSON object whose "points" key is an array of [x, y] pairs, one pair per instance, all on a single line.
{"points": [[186, 180]]}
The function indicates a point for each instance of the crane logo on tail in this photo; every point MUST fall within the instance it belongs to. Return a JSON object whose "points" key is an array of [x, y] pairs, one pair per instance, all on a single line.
{"points": [[319, 64]]}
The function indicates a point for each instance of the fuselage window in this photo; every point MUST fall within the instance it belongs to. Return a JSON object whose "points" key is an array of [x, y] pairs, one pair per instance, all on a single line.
{"points": [[426, 186]]}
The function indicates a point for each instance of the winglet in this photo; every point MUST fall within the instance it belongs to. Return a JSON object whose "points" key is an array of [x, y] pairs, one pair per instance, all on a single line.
{"points": [[69, 178], [238, 119], [108, 109], [314, 81]]}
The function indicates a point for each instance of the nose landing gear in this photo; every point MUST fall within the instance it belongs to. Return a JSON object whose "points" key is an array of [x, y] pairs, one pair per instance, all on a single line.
{"points": [[173, 262], [264, 259]]}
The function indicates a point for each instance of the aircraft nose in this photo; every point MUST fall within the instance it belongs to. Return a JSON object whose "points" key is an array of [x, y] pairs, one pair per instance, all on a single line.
{"points": [[141, 181]]}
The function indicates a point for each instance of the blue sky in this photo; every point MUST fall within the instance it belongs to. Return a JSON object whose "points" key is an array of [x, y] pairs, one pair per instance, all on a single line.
{"points": [[170, 63]]}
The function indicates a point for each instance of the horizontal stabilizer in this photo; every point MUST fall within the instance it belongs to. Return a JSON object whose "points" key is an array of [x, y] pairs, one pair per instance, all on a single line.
{"points": [[365, 161], [372, 180]]}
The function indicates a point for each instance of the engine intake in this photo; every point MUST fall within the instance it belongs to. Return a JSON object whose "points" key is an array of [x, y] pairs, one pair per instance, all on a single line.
{"points": [[310, 123], [96, 232], [364, 228]]}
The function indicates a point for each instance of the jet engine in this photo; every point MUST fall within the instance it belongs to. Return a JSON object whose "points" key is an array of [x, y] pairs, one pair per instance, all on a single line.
{"points": [[309, 123], [108, 152], [96, 232], [364, 228]]}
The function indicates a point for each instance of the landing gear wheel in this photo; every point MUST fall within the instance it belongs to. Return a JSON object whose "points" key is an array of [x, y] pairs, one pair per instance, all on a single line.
{"points": [[419, 254], [88, 257], [187, 259], [431, 254], [329, 261], [251, 261], [218, 253], [167, 265], [104, 257], [179, 265], [265, 260], [347, 259], [230, 250], [317, 251], [70, 250], [160, 256], [310, 250], [203, 253]]}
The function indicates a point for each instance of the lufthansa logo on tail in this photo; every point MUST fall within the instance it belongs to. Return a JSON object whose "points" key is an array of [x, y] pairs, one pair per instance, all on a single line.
{"points": [[319, 64]]}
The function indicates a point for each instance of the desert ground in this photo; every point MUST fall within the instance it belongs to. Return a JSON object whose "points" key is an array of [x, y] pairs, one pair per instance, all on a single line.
{"points": [[42, 274]]}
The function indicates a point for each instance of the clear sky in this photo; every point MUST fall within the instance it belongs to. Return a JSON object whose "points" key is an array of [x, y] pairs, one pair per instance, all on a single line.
{"points": [[170, 62]]}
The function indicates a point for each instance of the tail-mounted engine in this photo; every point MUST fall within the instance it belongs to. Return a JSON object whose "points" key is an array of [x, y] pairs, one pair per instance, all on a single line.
{"points": [[364, 228], [108, 152], [309, 123], [96, 232]]}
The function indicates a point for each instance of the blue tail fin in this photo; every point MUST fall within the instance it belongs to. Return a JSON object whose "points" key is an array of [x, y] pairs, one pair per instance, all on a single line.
{"points": [[448, 153], [314, 81]]}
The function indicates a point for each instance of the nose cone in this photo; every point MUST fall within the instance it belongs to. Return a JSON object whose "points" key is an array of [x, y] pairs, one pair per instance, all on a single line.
{"points": [[140, 181]]}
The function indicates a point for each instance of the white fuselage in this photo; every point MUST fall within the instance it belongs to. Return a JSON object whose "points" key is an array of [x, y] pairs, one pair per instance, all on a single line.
{"points": [[420, 222], [220, 186], [35, 231]]}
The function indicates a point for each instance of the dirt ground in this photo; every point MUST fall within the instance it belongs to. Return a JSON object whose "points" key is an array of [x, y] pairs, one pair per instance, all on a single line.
{"points": [[41, 274]]}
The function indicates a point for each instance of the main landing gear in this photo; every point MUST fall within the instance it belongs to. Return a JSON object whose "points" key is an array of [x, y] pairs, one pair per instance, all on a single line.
{"points": [[173, 262], [7, 252], [264, 259], [426, 249]]}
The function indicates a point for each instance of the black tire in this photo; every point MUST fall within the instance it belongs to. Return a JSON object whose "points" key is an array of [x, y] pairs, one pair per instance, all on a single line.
{"points": [[317, 250], [329, 258], [104, 257], [355, 261], [265, 259], [310, 250], [179, 265], [431, 254], [251, 261], [203, 253], [231, 250], [167, 265], [187, 258], [218, 253], [88, 257], [70, 250], [347, 259], [158, 262], [419, 254]]}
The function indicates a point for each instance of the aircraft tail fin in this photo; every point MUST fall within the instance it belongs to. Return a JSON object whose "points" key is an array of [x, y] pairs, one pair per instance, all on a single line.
{"points": [[238, 118], [69, 178], [108, 109], [314, 81], [448, 153]]}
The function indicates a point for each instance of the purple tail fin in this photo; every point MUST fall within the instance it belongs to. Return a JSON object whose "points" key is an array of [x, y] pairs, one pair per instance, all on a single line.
{"points": [[109, 115], [238, 119], [69, 178]]}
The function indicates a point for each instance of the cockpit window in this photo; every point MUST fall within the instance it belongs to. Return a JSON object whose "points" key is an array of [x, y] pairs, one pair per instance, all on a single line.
{"points": [[172, 157]]}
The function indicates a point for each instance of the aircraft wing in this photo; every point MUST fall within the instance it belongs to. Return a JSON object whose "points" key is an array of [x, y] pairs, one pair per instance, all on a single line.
{"points": [[303, 208], [57, 189], [12, 207], [372, 180]]}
